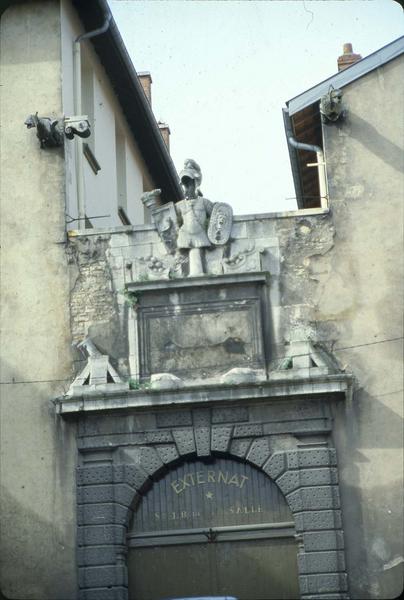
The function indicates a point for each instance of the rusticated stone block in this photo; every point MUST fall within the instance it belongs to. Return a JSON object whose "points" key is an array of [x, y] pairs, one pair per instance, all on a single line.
{"points": [[150, 460], [100, 514], [313, 457], [102, 576], [275, 465], [133, 475], [259, 452], [184, 438], [314, 498], [92, 475], [229, 415], [168, 453], [321, 562], [247, 430], [101, 534], [324, 583], [110, 593], [110, 441], [96, 555], [291, 480], [158, 437], [317, 520], [102, 424], [174, 418], [202, 440], [119, 492], [201, 417], [321, 476], [240, 447], [323, 540], [220, 439]]}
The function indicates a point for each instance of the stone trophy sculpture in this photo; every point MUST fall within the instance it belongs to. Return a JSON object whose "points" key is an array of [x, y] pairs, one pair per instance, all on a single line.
{"points": [[198, 223]]}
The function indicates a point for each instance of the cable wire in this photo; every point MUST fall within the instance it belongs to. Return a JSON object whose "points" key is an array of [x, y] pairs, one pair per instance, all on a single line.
{"points": [[276, 357]]}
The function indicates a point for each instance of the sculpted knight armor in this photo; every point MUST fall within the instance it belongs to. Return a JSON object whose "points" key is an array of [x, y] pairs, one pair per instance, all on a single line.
{"points": [[199, 224]]}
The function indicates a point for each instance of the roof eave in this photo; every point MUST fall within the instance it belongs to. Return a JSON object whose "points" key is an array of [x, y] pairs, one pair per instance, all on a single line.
{"points": [[348, 75]]}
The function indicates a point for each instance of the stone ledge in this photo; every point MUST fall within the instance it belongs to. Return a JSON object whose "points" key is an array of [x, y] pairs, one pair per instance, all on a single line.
{"points": [[168, 285], [303, 212], [334, 384]]}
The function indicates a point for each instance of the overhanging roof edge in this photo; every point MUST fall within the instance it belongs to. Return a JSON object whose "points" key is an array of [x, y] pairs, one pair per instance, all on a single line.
{"points": [[343, 78]]}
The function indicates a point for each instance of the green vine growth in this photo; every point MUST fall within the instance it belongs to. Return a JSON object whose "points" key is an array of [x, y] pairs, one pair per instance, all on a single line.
{"points": [[134, 384]]}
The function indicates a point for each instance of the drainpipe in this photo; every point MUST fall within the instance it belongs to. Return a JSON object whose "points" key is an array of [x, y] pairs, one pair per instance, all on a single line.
{"points": [[81, 209], [320, 164]]}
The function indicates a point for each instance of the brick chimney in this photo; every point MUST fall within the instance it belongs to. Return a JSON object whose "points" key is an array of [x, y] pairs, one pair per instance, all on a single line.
{"points": [[165, 133], [146, 81], [348, 57]]}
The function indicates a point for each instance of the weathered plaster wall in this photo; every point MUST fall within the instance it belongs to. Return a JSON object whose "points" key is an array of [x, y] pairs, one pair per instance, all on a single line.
{"points": [[360, 297], [37, 450]]}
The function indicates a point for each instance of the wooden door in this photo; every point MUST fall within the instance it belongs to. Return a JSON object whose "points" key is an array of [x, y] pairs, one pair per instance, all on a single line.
{"points": [[213, 528]]}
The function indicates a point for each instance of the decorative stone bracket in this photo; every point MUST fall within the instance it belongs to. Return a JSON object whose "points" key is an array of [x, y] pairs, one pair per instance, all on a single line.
{"points": [[51, 132], [331, 107], [98, 376], [304, 359]]}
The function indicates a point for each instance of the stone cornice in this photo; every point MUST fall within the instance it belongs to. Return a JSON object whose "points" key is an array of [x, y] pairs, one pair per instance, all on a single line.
{"points": [[333, 385]]}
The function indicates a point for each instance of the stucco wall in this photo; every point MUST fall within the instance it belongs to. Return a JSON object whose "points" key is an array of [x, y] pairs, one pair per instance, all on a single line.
{"points": [[101, 188], [37, 451], [360, 297]]}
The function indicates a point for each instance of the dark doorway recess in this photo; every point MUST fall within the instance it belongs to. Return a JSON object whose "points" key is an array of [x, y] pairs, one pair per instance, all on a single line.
{"points": [[217, 527]]}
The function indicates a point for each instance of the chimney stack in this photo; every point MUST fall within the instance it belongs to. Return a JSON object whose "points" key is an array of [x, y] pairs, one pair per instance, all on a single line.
{"points": [[165, 133], [146, 81], [348, 57]]}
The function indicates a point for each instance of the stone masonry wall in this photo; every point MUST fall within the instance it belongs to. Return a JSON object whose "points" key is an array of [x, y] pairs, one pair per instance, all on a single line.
{"points": [[142, 447]]}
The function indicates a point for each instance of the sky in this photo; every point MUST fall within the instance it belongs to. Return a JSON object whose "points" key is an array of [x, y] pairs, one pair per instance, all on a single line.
{"points": [[223, 70]]}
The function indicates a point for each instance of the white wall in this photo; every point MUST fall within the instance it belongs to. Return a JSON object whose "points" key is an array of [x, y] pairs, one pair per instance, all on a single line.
{"points": [[101, 188]]}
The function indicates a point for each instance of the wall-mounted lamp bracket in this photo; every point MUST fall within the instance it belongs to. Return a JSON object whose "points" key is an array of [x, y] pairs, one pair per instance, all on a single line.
{"points": [[51, 132]]}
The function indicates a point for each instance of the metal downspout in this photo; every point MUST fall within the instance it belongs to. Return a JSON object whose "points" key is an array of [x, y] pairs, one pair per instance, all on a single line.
{"points": [[322, 174], [81, 209]]}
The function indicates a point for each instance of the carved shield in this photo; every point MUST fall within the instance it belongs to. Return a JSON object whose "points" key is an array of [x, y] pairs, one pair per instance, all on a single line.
{"points": [[220, 223]]}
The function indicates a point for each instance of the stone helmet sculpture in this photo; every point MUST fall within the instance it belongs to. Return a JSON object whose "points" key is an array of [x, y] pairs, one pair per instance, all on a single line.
{"points": [[191, 171]]}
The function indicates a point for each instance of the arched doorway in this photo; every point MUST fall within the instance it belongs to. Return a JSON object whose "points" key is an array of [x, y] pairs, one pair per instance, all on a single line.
{"points": [[213, 527]]}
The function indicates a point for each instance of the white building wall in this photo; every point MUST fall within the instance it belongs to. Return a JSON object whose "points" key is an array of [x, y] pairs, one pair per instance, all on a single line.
{"points": [[101, 188]]}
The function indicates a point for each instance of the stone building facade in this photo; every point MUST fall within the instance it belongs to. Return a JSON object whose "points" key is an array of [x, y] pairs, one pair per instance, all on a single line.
{"points": [[247, 419]]}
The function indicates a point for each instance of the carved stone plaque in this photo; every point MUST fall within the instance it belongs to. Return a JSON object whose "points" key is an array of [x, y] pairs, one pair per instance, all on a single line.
{"points": [[203, 329]]}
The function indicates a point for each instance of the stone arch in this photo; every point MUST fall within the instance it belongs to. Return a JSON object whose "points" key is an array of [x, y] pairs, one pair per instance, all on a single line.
{"points": [[307, 477]]}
